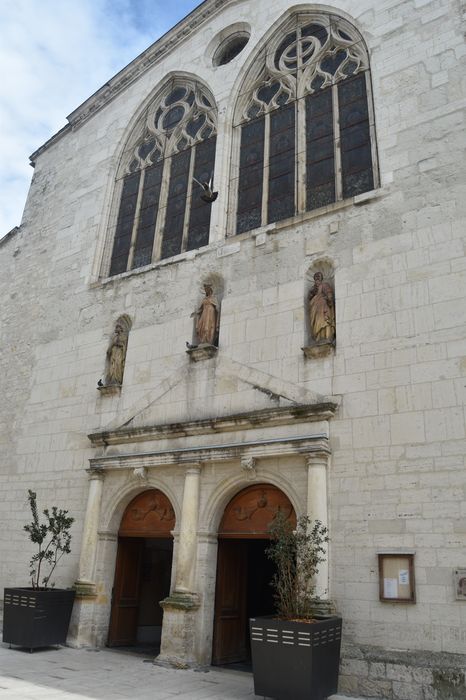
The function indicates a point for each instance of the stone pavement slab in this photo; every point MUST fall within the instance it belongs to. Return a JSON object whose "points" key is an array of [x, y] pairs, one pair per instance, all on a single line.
{"points": [[85, 674]]}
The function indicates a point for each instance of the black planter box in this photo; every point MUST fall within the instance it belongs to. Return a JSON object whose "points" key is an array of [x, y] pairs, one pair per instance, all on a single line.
{"points": [[295, 660], [33, 618]]}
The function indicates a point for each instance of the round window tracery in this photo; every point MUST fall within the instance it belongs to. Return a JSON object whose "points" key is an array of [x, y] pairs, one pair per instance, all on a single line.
{"points": [[230, 49]]}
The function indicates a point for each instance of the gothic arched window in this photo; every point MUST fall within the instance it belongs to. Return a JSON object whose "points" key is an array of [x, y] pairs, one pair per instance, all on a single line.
{"points": [[161, 212], [304, 122]]}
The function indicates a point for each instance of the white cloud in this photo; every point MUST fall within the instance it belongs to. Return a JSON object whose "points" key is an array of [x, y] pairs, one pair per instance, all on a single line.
{"points": [[53, 56]]}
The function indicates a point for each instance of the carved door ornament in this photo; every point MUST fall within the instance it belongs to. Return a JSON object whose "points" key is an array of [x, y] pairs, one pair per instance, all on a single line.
{"points": [[148, 515], [249, 466], [251, 512]]}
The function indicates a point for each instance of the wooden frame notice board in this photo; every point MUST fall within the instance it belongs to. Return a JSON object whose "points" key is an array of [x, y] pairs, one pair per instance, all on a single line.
{"points": [[396, 578]]}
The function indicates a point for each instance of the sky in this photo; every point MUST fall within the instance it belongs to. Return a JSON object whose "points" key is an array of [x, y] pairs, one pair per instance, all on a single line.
{"points": [[53, 55]]}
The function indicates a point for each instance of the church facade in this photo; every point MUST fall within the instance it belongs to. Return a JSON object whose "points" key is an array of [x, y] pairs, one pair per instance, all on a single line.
{"points": [[239, 287]]}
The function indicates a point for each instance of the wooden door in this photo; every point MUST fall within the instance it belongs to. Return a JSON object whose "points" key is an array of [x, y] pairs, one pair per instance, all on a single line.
{"points": [[230, 627], [125, 600]]}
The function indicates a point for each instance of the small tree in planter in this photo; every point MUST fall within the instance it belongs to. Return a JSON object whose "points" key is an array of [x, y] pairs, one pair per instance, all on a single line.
{"points": [[52, 538], [296, 654], [39, 616]]}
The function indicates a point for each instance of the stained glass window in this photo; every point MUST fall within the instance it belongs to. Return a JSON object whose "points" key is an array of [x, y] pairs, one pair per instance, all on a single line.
{"points": [[161, 212], [306, 134]]}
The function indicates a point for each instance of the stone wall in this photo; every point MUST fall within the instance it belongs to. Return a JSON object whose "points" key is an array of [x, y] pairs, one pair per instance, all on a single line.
{"points": [[391, 675], [397, 477]]}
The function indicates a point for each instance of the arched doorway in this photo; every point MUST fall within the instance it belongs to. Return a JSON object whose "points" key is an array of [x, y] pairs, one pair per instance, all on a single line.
{"points": [[142, 571], [243, 570]]}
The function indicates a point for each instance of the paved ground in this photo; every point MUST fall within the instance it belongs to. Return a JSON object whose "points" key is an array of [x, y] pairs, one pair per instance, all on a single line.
{"points": [[81, 674]]}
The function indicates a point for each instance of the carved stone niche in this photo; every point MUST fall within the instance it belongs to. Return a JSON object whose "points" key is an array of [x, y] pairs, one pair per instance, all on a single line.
{"points": [[206, 317], [319, 305]]}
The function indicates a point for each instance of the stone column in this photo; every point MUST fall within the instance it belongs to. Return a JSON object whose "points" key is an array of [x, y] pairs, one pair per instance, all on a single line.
{"points": [[179, 632], [85, 585], [317, 509], [187, 545]]}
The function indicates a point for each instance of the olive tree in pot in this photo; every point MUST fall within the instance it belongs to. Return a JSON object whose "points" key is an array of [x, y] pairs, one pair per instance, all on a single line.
{"points": [[39, 615], [296, 654]]}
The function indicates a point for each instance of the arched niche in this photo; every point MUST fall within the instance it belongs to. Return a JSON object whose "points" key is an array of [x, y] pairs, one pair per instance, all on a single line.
{"points": [[250, 512], [150, 514]]}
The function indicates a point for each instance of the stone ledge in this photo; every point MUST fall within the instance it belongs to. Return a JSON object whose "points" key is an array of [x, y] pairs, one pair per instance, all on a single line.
{"points": [[110, 390], [318, 350], [202, 352], [265, 417]]}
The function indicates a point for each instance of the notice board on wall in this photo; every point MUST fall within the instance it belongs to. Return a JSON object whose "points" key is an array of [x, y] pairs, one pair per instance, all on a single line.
{"points": [[396, 578]]}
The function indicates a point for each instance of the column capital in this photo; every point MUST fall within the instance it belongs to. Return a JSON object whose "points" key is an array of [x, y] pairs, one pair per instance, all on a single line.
{"points": [[194, 468], [317, 459], [95, 473]]}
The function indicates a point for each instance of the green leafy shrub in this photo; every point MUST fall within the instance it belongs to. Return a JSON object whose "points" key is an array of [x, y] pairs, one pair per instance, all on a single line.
{"points": [[297, 555], [52, 538]]}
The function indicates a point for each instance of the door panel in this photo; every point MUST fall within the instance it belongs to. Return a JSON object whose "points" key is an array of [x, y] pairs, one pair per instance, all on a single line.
{"points": [[230, 627], [125, 603]]}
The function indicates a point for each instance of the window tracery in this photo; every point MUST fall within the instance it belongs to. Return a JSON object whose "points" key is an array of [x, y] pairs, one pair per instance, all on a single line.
{"points": [[305, 128], [161, 213]]}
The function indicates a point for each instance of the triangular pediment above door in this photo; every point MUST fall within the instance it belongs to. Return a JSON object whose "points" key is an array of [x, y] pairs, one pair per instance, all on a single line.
{"points": [[213, 391]]}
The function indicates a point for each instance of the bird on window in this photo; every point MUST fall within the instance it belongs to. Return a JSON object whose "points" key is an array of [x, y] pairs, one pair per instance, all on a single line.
{"points": [[100, 383], [208, 195]]}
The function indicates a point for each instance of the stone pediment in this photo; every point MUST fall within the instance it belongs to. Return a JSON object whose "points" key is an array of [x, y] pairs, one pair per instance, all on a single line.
{"points": [[266, 400]]}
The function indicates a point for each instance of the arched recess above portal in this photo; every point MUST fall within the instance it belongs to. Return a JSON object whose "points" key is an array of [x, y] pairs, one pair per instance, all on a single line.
{"points": [[253, 66], [212, 511], [117, 497], [136, 125]]}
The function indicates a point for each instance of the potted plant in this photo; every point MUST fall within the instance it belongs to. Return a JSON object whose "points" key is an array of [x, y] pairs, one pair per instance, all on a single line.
{"points": [[39, 615], [296, 654]]}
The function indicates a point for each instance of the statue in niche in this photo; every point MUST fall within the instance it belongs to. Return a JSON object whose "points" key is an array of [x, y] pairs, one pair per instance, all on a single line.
{"points": [[207, 318], [322, 311], [116, 355]]}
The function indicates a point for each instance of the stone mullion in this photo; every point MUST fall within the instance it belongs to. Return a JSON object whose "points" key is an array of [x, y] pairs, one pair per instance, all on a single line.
{"points": [[265, 182], [189, 194], [337, 144], [370, 108], [134, 232], [162, 209], [301, 155]]}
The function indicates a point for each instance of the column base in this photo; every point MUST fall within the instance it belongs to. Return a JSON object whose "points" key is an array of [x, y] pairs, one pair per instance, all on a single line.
{"points": [[323, 607], [85, 589], [179, 630]]}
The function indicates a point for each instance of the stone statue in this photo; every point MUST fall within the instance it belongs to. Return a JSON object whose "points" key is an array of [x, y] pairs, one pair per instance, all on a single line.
{"points": [[207, 318], [321, 311], [116, 355]]}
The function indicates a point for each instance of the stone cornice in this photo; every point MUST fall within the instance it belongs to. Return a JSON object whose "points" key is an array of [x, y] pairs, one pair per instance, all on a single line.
{"points": [[136, 68], [275, 447], [266, 418]]}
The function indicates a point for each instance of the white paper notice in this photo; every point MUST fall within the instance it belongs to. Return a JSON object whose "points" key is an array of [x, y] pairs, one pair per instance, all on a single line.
{"points": [[390, 588], [403, 577]]}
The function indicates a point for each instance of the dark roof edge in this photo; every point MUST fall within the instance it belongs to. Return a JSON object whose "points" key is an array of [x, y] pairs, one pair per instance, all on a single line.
{"points": [[127, 75], [9, 235]]}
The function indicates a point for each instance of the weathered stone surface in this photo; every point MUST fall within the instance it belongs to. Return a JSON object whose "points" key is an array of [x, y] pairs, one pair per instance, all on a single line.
{"points": [[397, 437]]}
